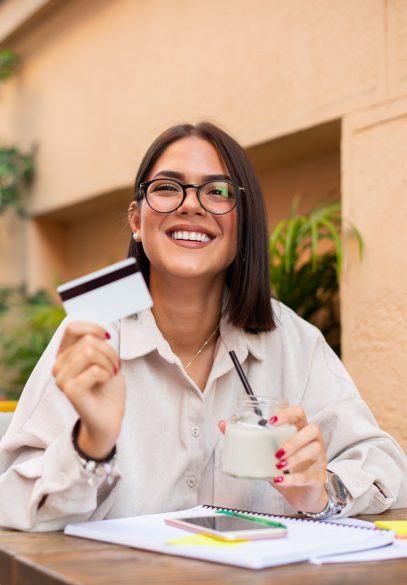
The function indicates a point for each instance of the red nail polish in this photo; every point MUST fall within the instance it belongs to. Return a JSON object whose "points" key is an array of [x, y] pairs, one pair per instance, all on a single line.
{"points": [[280, 453], [281, 464], [278, 479], [272, 420], [107, 335]]}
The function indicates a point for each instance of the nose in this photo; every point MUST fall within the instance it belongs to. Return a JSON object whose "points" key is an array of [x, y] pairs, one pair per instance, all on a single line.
{"points": [[191, 202]]}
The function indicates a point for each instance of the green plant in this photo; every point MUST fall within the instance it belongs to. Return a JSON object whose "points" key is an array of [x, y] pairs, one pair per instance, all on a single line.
{"points": [[305, 266], [27, 323], [16, 167], [16, 174], [9, 63]]}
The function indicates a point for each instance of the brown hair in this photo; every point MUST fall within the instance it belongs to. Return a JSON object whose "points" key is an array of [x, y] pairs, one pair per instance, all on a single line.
{"points": [[248, 305]]}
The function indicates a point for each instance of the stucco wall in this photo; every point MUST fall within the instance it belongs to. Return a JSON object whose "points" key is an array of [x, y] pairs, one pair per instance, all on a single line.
{"points": [[13, 264], [102, 78], [374, 299]]}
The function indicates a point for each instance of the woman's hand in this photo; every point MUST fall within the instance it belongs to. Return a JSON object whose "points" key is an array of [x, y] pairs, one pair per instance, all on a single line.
{"points": [[87, 370], [303, 455]]}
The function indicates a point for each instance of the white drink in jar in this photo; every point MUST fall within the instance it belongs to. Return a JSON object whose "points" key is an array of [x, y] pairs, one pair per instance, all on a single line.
{"points": [[249, 447]]}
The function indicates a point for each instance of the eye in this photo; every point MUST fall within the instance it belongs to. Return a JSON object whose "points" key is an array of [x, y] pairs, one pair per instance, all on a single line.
{"points": [[219, 190], [164, 187]]}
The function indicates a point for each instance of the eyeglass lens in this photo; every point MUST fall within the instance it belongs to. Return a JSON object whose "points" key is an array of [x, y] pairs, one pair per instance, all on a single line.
{"points": [[216, 197]]}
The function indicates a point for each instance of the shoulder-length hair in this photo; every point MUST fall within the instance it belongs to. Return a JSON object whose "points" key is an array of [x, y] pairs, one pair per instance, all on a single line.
{"points": [[248, 304]]}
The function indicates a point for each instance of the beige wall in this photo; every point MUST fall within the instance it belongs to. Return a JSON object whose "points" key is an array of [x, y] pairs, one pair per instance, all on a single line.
{"points": [[78, 239], [101, 78], [374, 291], [13, 263]]}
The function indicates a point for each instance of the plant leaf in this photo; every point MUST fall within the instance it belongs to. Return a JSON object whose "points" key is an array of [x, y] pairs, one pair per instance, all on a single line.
{"points": [[332, 230]]}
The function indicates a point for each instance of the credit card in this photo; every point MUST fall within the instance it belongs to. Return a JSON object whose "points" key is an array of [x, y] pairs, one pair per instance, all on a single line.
{"points": [[111, 293]]}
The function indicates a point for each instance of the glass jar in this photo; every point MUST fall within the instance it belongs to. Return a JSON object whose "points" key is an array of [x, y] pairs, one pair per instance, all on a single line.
{"points": [[250, 445]]}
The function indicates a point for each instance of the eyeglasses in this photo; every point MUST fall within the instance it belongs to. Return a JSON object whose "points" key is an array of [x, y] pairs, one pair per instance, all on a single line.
{"points": [[167, 195]]}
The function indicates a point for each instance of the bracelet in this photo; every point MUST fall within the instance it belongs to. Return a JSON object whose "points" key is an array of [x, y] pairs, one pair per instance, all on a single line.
{"points": [[95, 468]]}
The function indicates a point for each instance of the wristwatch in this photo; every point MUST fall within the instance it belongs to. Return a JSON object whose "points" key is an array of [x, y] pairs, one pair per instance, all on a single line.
{"points": [[337, 498]]}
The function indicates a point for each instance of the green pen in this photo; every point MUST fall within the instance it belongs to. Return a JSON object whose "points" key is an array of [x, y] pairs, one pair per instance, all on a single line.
{"points": [[258, 520]]}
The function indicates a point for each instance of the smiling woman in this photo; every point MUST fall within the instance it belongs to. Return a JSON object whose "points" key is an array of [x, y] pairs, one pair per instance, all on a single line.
{"points": [[108, 428], [182, 213], [211, 156]]}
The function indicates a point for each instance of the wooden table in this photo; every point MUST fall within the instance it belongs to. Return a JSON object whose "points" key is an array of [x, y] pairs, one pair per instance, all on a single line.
{"points": [[53, 558]]}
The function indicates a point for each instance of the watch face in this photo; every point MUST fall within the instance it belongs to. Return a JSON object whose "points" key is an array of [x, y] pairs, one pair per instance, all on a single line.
{"points": [[336, 490]]}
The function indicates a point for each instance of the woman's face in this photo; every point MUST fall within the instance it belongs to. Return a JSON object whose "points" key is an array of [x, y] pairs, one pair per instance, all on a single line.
{"points": [[194, 160]]}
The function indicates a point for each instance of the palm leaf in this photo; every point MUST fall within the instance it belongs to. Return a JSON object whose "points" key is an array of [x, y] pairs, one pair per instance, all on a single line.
{"points": [[338, 244], [303, 276]]}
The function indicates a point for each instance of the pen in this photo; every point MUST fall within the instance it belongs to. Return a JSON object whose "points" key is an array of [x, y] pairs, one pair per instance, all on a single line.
{"points": [[258, 520]]}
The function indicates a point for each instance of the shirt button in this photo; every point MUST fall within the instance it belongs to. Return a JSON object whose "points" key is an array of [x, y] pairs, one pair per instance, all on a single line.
{"points": [[195, 431], [191, 482]]}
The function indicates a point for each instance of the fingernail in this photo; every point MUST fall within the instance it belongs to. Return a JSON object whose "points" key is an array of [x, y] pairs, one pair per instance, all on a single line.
{"points": [[280, 453], [273, 419], [107, 335], [281, 464], [278, 479]]}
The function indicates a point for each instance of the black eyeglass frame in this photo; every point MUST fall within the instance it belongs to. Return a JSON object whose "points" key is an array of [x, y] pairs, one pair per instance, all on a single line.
{"points": [[184, 186]]}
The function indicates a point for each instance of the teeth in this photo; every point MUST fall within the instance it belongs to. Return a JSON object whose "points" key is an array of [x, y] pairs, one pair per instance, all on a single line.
{"points": [[194, 236]]}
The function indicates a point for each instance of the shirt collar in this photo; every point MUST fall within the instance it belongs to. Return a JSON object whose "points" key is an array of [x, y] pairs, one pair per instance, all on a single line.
{"points": [[140, 335]]}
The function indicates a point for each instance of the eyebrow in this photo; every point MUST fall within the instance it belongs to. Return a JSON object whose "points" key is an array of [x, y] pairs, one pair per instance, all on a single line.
{"points": [[181, 176]]}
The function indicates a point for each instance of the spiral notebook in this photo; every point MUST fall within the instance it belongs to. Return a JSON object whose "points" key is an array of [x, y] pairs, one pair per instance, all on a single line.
{"points": [[307, 540]]}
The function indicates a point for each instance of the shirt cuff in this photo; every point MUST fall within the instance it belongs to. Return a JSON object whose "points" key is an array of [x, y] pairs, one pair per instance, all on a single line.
{"points": [[367, 495], [61, 492]]}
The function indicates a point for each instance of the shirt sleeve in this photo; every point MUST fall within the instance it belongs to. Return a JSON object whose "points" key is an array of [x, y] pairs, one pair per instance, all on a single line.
{"points": [[372, 466], [42, 482]]}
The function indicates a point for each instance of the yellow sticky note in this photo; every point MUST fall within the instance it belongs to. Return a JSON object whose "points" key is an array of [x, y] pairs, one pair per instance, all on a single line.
{"points": [[203, 540], [8, 405], [400, 526]]}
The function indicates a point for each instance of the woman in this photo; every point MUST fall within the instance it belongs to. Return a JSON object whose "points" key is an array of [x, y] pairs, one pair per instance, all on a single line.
{"points": [[145, 410]]}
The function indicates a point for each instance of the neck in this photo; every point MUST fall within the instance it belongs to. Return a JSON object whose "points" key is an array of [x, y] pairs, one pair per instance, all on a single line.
{"points": [[186, 311]]}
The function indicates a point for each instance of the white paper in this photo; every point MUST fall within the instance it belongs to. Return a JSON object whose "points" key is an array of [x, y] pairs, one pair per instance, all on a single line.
{"points": [[305, 539], [396, 550], [353, 522]]}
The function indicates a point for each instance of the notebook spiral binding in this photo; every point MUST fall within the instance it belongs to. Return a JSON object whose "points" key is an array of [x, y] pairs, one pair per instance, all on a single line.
{"points": [[281, 517]]}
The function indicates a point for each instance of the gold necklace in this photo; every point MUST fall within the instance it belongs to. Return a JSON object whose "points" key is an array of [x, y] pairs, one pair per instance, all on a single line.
{"points": [[200, 350]]}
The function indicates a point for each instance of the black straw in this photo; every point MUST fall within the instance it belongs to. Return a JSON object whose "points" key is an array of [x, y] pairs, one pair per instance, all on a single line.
{"points": [[247, 387], [241, 373]]}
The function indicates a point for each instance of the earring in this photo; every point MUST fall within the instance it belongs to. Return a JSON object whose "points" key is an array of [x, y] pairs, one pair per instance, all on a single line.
{"points": [[135, 236]]}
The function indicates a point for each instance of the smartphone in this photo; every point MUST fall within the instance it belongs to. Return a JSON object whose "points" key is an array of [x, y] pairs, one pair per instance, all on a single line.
{"points": [[228, 527]]}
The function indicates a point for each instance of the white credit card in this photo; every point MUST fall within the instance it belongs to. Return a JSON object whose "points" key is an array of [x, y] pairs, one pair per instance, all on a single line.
{"points": [[103, 296]]}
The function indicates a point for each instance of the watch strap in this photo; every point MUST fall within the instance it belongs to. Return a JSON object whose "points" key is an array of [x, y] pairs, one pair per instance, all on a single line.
{"points": [[337, 498]]}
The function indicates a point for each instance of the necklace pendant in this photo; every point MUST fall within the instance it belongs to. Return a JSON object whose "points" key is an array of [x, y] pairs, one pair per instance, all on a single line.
{"points": [[200, 350]]}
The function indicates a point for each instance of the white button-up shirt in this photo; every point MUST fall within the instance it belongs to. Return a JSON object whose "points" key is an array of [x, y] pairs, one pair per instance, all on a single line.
{"points": [[169, 452]]}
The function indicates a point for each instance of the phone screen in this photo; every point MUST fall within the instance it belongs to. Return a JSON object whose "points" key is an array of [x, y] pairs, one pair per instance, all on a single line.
{"points": [[228, 527], [225, 523]]}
